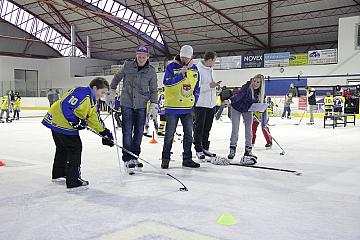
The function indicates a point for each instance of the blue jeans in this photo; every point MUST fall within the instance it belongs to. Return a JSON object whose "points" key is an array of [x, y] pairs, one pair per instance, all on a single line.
{"points": [[171, 124], [133, 121], [288, 110]]}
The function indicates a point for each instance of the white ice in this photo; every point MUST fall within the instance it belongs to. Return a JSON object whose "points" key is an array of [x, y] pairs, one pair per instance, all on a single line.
{"points": [[323, 203]]}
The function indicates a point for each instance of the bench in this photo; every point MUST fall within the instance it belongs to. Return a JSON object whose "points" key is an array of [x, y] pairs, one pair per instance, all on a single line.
{"points": [[339, 119]]}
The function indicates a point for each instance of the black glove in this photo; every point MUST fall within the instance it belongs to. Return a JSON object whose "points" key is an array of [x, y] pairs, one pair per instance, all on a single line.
{"points": [[108, 138], [79, 124]]}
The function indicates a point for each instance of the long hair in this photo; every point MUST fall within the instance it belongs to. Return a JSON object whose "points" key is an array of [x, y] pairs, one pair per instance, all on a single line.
{"points": [[262, 87]]}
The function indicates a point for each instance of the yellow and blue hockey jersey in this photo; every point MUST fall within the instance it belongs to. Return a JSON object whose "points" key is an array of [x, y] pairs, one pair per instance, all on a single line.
{"points": [[77, 103], [181, 92], [5, 104], [17, 102], [328, 102], [339, 101]]}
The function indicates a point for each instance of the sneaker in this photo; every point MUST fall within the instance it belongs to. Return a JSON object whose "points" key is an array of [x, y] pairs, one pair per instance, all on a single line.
{"points": [[208, 153], [165, 163], [232, 152], [200, 155], [190, 163], [77, 184], [268, 145]]}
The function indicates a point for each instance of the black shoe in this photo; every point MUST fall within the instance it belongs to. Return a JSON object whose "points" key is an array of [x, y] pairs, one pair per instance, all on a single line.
{"points": [[165, 163], [232, 152], [268, 145], [190, 163], [77, 183], [160, 134]]}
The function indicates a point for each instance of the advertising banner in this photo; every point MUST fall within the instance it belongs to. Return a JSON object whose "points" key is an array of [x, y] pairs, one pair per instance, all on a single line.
{"points": [[325, 56], [252, 61], [276, 59], [298, 59]]}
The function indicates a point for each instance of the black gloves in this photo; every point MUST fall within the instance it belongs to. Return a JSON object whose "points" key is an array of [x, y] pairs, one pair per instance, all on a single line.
{"points": [[108, 138], [79, 124]]}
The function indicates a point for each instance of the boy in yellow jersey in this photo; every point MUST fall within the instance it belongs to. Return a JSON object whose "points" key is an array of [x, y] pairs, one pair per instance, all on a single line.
{"points": [[328, 104], [17, 102], [73, 112], [5, 107], [181, 81]]}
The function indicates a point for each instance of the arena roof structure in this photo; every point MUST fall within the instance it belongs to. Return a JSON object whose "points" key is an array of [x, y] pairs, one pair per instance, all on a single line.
{"points": [[229, 27]]}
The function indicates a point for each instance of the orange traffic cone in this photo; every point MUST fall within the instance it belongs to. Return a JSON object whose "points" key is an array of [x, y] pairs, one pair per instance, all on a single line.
{"points": [[153, 140], [2, 164]]}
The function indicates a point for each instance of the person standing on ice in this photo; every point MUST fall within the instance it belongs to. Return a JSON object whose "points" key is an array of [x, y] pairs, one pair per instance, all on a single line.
{"points": [[181, 82], [205, 106], [312, 103], [139, 87], [76, 110], [263, 119], [251, 92]]}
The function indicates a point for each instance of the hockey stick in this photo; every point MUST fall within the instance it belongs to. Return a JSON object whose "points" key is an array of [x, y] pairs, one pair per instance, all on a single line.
{"points": [[268, 168], [117, 149], [272, 138], [183, 188], [297, 124]]}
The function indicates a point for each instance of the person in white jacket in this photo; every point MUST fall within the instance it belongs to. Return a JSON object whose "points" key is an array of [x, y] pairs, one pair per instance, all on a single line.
{"points": [[205, 106]]}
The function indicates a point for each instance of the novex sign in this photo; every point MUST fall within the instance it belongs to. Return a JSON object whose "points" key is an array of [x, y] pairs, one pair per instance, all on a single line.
{"points": [[252, 61]]}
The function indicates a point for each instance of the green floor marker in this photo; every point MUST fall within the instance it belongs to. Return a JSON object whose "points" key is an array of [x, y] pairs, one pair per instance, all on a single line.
{"points": [[226, 219]]}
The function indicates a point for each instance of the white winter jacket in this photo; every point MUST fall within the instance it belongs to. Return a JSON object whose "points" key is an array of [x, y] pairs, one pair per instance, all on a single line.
{"points": [[207, 96]]}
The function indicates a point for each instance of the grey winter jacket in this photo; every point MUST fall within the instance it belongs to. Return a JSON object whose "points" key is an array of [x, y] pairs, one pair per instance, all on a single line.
{"points": [[139, 86]]}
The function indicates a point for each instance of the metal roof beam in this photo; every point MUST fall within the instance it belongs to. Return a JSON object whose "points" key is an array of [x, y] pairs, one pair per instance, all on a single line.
{"points": [[121, 24]]}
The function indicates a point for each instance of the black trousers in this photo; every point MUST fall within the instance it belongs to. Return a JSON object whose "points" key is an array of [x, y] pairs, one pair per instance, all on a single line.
{"points": [[203, 122], [67, 159]]}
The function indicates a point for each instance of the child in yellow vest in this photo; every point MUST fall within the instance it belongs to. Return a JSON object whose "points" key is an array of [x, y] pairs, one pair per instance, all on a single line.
{"points": [[17, 102], [5, 107]]}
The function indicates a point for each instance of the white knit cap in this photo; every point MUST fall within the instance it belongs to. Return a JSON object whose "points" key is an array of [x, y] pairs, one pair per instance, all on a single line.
{"points": [[186, 51]]}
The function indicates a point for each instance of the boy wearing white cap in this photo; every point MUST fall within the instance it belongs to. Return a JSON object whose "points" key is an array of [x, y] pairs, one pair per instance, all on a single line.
{"points": [[181, 82]]}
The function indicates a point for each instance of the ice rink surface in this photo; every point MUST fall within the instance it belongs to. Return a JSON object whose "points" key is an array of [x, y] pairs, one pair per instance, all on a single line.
{"points": [[322, 203]]}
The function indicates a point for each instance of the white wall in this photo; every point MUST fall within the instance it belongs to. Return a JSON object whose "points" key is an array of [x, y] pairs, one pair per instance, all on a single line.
{"points": [[52, 73], [9, 64]]}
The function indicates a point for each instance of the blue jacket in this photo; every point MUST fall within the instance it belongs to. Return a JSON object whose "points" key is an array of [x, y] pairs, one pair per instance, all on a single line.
{"points": [[243, 100]]}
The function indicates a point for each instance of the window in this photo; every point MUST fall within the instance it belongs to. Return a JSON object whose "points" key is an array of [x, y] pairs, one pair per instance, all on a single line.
{"points": [[26, 82]]}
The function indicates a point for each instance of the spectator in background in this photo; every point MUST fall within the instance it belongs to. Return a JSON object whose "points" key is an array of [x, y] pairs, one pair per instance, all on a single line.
{"points": [[311, 95], [225, 94], [287, 103], [51, 95]]}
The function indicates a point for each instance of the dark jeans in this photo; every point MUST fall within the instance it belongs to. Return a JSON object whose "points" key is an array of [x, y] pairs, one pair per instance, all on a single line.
{"points": [[67, 159], [288, 110], [133, 121], [203, 122], [171, 124]]}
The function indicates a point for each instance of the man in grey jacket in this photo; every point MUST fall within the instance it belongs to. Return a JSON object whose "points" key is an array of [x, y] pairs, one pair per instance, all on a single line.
{"points": [[139, 87]]}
